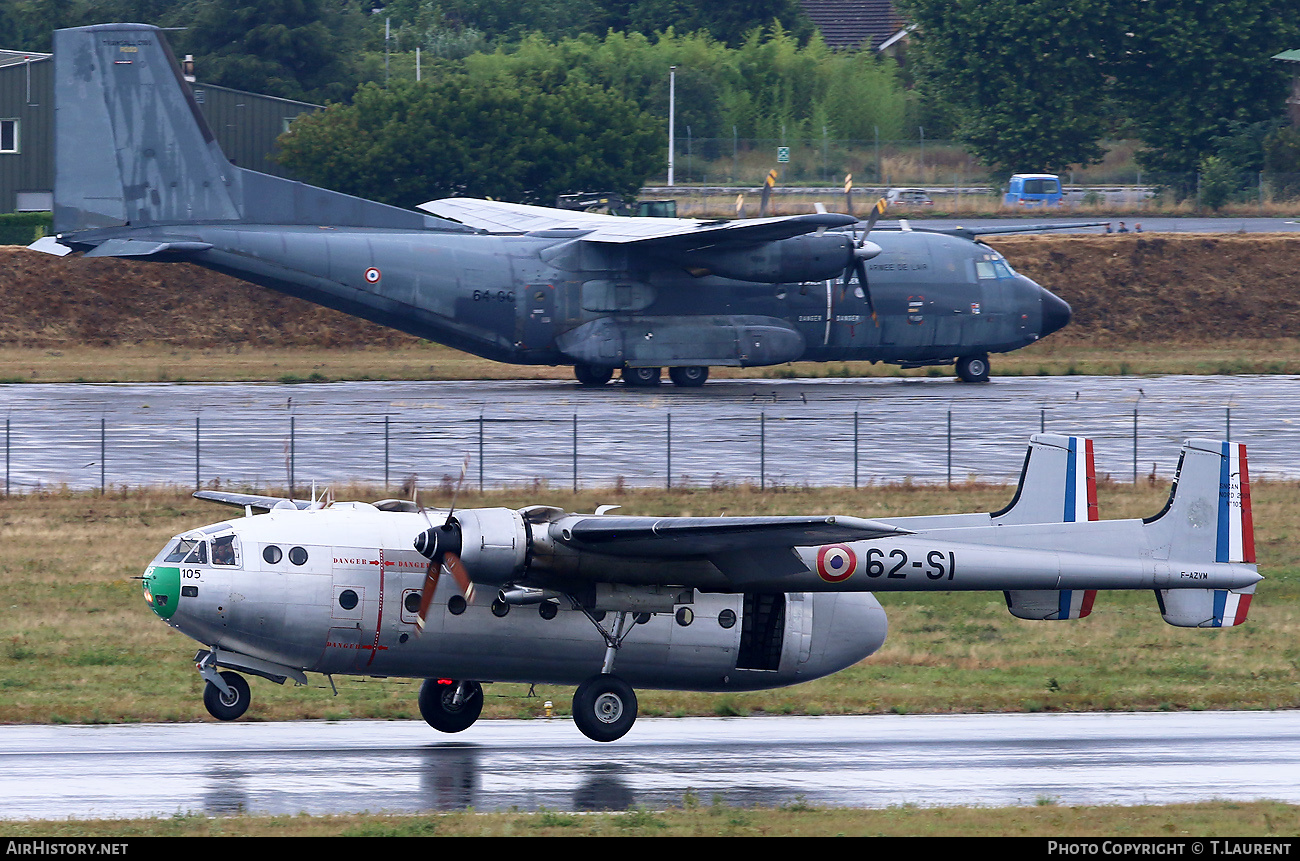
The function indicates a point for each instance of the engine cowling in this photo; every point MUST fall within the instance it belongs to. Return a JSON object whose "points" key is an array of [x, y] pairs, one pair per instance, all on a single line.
{"points": [[494, 544]]}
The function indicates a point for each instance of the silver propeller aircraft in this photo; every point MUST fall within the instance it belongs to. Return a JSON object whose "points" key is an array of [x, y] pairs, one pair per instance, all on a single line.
{"points": [[541, 595], [139, 174]]}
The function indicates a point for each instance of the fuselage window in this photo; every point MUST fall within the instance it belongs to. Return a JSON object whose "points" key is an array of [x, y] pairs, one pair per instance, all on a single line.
{"points": [[347, 598], [727, 618], [298, 556], [272, 554]]}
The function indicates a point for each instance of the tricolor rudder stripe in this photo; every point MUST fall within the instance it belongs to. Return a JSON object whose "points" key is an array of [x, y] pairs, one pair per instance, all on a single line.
{"points": [[1230, 608], [1080, 482], [1076, 603], [1236, 532]]}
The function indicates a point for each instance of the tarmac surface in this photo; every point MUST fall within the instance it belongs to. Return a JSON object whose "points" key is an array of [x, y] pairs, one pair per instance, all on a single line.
{"points": [[159, 770], [554, 434]]}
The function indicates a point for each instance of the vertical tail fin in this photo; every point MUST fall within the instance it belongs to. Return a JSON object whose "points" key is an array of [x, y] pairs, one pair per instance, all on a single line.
{"points": [[131, 145], [1058, 483], [1208, 518], [132, 149]]}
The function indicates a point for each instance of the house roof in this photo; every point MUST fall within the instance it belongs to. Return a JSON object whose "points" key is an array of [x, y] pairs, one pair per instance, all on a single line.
{"points": [[854, 23]]}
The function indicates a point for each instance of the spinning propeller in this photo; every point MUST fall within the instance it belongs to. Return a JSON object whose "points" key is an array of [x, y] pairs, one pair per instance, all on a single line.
{"points": [[441, 545], [862, 252]]}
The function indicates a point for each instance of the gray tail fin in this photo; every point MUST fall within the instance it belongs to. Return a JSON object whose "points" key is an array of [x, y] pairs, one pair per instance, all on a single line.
{"points": [[1058, 484], [1207, 519], [132, 149]]}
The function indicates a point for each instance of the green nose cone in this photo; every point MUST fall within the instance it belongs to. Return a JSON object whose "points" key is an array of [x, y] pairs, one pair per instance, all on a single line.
{"points": [[162, 589]]}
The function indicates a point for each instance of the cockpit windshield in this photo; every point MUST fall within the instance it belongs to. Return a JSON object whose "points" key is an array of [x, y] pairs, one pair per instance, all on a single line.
{"points": [[191, 550]]}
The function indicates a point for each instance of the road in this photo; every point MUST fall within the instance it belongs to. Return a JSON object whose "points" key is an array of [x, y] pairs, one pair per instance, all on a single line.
{"points": [[146, 770]]}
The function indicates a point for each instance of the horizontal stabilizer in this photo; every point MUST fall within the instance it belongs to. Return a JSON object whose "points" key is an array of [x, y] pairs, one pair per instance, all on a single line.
{"points": [[1204, 608], [1050, 604], [144, 248]]}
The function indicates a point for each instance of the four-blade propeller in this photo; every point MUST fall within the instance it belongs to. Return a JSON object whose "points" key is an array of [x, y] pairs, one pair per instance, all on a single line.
{"points": [[861, 253]]}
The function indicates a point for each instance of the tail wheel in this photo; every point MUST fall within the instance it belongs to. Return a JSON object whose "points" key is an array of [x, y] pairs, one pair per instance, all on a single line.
{"points": [[229, 706], [441, 709], [641, 376], [973, 369], [689, 376], [604, 707]]}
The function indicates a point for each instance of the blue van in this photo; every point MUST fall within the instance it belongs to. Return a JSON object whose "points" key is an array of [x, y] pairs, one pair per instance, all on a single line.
{"points": [[1034, 189]]}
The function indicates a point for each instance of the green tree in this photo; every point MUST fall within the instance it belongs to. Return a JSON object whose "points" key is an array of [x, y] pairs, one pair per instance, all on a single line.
{"points": [[1187, 72], [1021, 77], [504, 138], [294, 49]]}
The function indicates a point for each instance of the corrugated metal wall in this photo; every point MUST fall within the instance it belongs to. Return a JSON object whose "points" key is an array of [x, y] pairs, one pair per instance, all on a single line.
{"points": [[246, 126]]}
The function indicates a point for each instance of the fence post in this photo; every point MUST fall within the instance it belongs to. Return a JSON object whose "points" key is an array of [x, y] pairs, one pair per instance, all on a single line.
{"points": [[103, 447], [6, 457], [292, 453], [480, 451], [1135, 445], [762, 450], [1227, 431], [386, 454], [198, 479], [950, 448], [855, 449], [668, 483]]}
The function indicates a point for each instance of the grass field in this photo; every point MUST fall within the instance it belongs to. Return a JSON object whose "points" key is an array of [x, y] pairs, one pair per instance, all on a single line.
{"points": [[151, 362]]}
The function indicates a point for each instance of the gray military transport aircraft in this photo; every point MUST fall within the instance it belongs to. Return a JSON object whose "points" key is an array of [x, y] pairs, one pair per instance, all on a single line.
{"points": [[686, 603], [139, 174]]}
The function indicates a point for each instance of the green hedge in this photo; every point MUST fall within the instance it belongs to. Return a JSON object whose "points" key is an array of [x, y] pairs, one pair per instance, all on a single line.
{"points": [[24, 228]]}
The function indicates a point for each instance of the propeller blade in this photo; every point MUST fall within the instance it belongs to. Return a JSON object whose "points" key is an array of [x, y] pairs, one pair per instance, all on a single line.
{"points": [[861, 267], [455, 493], [457, 569], [876, 211], [426, 593]]}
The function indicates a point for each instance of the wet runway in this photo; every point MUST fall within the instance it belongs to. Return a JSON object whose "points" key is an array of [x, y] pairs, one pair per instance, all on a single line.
{"points": [[870, 762], [555, 433]]}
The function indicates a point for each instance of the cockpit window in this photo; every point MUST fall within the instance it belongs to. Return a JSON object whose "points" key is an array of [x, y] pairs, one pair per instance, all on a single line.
{"points": [[191, 550], [225, 550]]}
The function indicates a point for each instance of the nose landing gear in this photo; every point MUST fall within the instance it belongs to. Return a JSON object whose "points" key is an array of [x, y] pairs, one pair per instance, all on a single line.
{"points": [[228, 700]]}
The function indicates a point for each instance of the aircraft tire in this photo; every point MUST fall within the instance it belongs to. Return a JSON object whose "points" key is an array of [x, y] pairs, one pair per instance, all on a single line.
{"points": [[593, 375], [604, 707], [640, 376], [973, 369], [223, 707], [689, 376], [438, 711]]}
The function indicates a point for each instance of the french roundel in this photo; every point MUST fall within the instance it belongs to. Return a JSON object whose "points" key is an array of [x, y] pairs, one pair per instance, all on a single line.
{"points": [[835, 562], [372, 275]]}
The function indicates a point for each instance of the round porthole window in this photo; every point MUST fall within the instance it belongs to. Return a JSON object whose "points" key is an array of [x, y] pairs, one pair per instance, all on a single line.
{"points": [[298, 556], [272, 554], [412, 602], [727, 618], [456, 605], [348, 599], [684, 616]]}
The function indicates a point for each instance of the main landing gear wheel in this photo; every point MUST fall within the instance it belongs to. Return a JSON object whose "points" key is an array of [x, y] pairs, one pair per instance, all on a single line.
{"points": [[689, 376], [973, 369], [641, 376], [227, 706], [450, 706], [604, 707], [591, 375]]}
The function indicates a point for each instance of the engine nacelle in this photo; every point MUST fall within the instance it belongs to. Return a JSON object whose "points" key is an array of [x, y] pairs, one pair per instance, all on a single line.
{"points": [[800, 258], [494, 544]]}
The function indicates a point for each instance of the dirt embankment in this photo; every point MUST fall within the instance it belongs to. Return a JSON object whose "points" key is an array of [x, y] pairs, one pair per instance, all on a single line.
{"points": [[1152, 288]]}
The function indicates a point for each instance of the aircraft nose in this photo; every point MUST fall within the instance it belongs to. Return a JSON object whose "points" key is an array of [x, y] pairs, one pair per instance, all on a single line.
{"points": [[1056, 313], [162, 588]]}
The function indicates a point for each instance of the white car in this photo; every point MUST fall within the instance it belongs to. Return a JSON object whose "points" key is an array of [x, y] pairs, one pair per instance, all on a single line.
{"points": [[908, 197]]}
